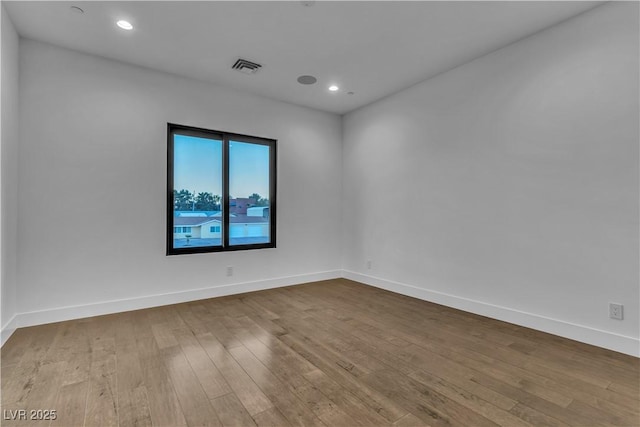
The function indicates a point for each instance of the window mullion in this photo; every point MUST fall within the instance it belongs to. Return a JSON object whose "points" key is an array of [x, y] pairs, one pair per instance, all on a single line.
{"points": [[225, 191]]}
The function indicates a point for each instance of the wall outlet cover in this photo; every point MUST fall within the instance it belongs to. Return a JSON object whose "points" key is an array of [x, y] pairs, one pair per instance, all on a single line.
{"points": [[616, 311]]}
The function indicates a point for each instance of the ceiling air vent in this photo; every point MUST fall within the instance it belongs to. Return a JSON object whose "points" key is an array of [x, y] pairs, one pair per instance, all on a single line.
{"points": [[246, 67]]}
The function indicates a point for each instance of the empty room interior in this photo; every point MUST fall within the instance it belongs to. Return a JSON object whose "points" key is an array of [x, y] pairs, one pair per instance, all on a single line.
{"points": [[319, 213]]}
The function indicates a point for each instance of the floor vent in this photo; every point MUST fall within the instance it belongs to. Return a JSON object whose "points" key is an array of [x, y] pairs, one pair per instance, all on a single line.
{"points": [[246, 67]]}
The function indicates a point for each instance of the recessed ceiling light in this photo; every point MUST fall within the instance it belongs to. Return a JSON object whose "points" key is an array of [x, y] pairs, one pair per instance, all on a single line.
{"points": [[125, 25], [307, 80], [333, 88], [76, 9]]}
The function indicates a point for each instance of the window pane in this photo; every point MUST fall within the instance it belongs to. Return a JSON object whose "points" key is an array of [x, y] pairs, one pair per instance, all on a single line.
{"points": [[197, 190], [249, 213]]}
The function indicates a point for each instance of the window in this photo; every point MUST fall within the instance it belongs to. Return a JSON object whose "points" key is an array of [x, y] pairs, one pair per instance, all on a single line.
{"points": [[222, 176], [182, 229]]}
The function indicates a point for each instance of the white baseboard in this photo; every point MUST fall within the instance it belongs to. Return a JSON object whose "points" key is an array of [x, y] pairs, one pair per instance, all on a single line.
{"points": [[117, 306], [8, 330], [609, 340]]}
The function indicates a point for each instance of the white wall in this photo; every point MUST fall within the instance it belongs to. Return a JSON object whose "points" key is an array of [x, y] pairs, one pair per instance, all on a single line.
{"points": [[510, 183], [9, 175], [93, 182]]}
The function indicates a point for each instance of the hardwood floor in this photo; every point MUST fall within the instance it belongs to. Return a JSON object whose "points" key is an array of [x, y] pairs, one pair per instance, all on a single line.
{"points": [[334, 353]]}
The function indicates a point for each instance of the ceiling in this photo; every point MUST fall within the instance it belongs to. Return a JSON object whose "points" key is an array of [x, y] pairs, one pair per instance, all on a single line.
{"points": [[370, 48]]}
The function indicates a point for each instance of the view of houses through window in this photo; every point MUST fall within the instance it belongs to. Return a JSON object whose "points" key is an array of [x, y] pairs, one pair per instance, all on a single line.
{"points": [[248, 223]]}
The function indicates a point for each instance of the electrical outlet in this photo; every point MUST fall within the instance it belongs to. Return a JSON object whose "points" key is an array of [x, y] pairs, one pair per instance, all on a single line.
{"points": [[229, 271], [615, 311], [368, 264]]}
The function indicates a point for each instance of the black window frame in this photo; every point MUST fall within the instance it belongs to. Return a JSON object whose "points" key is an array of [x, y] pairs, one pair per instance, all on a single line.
{"points": [[225, 137]]}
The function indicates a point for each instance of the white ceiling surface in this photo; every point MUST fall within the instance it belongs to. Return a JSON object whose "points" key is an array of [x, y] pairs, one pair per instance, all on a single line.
{"points": [[371, 48]]}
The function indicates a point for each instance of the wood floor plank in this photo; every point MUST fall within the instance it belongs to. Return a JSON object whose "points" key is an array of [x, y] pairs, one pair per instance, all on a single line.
{"points": [[133, 408], [324, 408], [532, 401], [630, 391], [192, 322], [271, 418], [330, 353], [410, 420], [346, 400], [297, 329], [267, 346], [216, 327], [79, 357], [163, 334], [601, 417], [325, 361], [164, 405], [268, 324], [425, 402], [102, 400], [196, 407], [536, 418], [294, 409], [16, 346], [210, 378], [258, 309], [17, 386], [71, 404], [231, 412], [458, 375], [253, 399], [45, 390], [342, 344], [61, 342], [369, 344], [469, 400]]}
